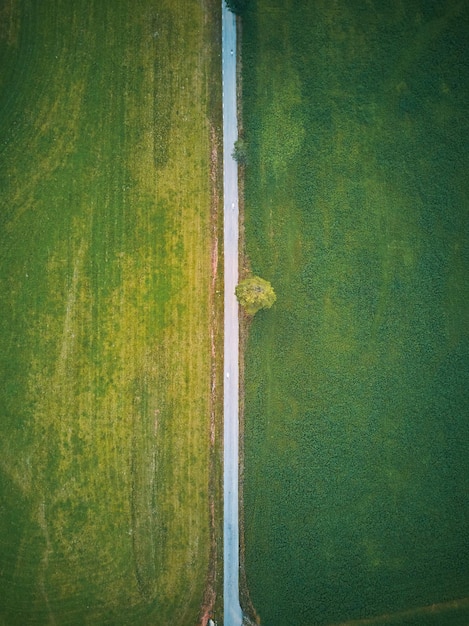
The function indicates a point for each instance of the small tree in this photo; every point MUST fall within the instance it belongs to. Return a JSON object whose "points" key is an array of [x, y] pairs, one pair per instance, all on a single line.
{"points": [[255, 293], [237, 6], [240, 153]]}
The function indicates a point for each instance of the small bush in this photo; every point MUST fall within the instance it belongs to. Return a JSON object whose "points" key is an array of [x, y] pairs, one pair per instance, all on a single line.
{"points": [[254, 294]]}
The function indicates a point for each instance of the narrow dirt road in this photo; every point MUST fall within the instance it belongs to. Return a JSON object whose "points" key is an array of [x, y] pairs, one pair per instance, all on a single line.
{"points": [[232, 609]]}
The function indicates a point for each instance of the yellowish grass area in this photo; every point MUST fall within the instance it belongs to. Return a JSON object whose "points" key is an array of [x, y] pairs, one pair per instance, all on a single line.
{"points": [[107, 266]]}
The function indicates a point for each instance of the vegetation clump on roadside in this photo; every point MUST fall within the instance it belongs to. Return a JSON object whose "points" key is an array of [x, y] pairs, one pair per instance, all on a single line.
{"points": [[255, 293], [238, 7], [240, 152]]}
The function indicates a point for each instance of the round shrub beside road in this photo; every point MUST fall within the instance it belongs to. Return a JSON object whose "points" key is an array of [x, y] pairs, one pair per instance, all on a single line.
{"points": [[255, 293]]}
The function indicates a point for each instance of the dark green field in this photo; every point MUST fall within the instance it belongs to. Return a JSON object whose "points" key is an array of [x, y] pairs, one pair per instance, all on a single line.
{"points": [[357, 380], [107, 282]]}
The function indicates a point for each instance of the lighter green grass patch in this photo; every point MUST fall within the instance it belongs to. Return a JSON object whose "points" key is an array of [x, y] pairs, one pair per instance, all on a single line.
{"points": [[105, 268]]}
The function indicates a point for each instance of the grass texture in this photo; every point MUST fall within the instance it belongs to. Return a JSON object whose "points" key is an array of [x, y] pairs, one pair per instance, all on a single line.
{"points": [[105, 274], [357, 395]]}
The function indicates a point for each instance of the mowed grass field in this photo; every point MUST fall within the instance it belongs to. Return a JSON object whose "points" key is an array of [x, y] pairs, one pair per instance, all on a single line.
{"points": [[107, 144], [357, 394]]}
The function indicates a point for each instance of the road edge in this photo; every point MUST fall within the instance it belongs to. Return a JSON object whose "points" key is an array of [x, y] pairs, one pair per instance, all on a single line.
{"points": [[245, 320]]}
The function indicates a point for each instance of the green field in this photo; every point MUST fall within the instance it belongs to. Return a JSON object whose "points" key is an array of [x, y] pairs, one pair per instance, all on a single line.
{"points": [[107, 278], [357, 380]]}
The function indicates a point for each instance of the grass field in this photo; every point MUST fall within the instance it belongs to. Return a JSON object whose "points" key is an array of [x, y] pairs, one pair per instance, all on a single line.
{"points": [[107, 141], [357, 394]]}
